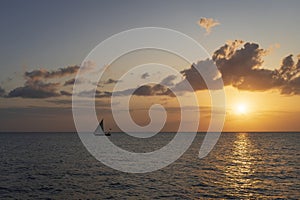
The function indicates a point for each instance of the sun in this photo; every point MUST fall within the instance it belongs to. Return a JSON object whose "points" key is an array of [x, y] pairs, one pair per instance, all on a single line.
{"points": [[241, 109]]}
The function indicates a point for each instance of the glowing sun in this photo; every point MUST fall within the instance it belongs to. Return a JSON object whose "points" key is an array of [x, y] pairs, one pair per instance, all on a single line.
{"points": [[241, 109]]}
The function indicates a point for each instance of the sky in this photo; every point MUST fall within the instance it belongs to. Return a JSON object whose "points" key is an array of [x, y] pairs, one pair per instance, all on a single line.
{"points": [[43, 43]]}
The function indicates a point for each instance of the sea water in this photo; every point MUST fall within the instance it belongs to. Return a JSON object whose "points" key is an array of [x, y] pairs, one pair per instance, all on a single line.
{"points": [[241, 166]]}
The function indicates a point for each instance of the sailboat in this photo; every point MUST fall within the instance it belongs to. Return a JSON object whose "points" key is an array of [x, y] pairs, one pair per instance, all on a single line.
{"points": [[101, 127]]}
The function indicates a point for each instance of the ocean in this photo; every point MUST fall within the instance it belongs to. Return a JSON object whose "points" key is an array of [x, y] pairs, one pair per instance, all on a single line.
{"points": [[241, 166]]}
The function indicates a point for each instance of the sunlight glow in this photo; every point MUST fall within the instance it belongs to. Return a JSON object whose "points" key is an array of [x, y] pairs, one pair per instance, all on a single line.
{"points": [[241, 109]]}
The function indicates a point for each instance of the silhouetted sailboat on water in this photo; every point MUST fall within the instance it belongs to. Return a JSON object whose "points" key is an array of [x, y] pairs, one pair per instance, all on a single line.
{"points": [[100, 127]]}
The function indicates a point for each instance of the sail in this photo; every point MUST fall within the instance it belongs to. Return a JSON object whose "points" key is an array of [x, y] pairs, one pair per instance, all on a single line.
{"points": [[100, 128], [101, 125]]}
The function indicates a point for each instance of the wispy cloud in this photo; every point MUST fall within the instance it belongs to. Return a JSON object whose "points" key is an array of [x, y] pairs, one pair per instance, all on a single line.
{"points": [[207, 23]]}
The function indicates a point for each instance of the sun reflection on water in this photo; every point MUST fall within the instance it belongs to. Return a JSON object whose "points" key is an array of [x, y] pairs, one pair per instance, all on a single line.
{"points": [[239, 172], [248, 166]]}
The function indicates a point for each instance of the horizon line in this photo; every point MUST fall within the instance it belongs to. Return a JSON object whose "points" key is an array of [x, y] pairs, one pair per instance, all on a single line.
{"points": [[1, 132]]}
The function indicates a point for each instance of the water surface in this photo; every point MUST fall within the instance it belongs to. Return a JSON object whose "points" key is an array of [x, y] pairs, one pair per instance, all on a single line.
{"points": [[241, 166]]}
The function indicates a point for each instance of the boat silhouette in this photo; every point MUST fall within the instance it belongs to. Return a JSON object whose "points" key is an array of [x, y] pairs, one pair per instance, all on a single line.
{"points": [[100, 130]]}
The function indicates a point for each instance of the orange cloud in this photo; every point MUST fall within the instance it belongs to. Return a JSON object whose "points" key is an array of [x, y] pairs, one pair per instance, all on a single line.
{"points": [[207, 23]]}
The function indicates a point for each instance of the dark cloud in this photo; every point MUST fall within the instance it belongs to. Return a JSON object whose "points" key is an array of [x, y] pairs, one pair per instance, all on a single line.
{"points": [[195, 79], [98, 93], [256, 80], [242, 68], [45, 74], [70, 82], [36, 89], [292, 88], [36, 85], [288, 70], [168, 81], [145, 75], [289, 75], [144, 90], [227, 50], [155, 90], [237, 64], [65, 93], [240, 65], [110, 81]]}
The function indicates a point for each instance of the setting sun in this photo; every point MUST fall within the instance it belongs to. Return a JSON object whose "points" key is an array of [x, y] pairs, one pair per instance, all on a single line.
{"points": [[241, 109]]}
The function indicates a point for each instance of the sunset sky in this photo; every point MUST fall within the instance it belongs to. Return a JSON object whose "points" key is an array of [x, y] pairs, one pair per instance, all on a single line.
{"points": [[254, 44]]}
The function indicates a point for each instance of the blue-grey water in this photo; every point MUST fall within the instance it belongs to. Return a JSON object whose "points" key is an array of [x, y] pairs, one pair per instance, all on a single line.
{"points": [[241, 166]]}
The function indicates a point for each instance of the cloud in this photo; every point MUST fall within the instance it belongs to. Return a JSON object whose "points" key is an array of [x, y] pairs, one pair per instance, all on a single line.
{"points": [[153, 90], [70, 82], [239, 64], [110, 81], [145, 75], [243, 68], [227, 50], [289, 75], [208, 23], [2, 92], [288, 68], [193, 77], [45, 74], [292, 88], [98, 93], [65, 93], [36, 89], [169, 80], [145, 90], [37, 85]]}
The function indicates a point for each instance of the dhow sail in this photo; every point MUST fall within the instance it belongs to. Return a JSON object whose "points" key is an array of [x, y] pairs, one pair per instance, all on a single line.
{"points": [[100, 129]]}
